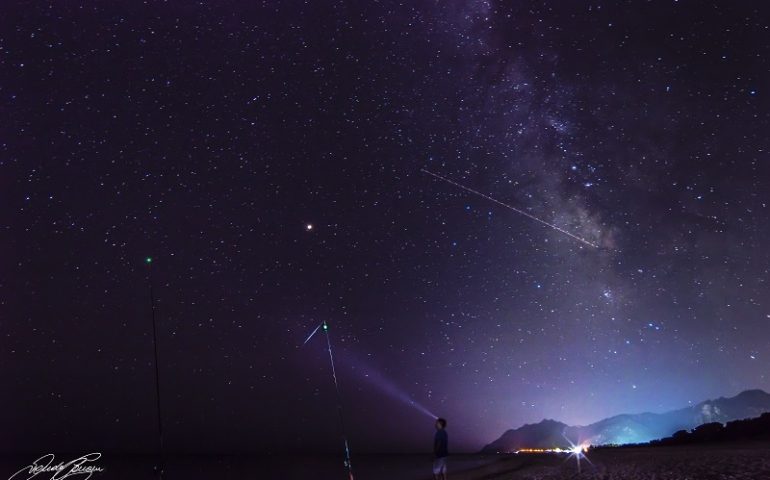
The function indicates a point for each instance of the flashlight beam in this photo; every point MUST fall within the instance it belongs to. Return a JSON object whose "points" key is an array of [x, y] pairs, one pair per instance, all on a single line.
{"points": [[509, 207]]}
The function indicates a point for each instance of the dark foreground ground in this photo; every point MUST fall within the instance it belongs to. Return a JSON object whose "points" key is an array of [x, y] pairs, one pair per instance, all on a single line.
{"points": [[739, 461]]}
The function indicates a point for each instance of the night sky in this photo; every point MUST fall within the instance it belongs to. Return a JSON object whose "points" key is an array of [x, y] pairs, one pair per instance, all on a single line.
{"points": [[268, 158]]}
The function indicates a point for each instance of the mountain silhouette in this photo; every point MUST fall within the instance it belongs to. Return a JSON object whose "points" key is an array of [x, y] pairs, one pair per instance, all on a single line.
{"points": [[633, 428]]}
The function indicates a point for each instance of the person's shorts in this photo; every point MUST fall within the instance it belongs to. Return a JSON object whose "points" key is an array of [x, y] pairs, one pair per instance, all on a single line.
{"points": [[439, 466]]}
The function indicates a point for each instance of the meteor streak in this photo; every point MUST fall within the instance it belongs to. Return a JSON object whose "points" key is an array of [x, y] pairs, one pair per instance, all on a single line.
{"points": [[510, 207], [311, 335]]}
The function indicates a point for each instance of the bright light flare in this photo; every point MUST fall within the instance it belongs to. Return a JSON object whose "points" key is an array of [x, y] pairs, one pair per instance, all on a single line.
{"points": [[578, 451]]}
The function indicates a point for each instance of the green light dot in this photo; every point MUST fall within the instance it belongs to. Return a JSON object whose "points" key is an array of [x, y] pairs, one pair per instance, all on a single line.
{"points": [[148, 260], [326, 327]]}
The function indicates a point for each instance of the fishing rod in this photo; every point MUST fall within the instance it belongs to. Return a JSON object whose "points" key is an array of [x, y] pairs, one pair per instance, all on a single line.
{"points": [[160, 469], [325, 328]]}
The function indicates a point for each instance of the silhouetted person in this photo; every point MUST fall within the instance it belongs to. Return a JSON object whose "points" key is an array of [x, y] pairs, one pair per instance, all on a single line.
{"points": [[440, 450]]}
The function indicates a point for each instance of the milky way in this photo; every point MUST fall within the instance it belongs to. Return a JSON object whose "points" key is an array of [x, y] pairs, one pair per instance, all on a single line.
{"points": [[267, 157]]}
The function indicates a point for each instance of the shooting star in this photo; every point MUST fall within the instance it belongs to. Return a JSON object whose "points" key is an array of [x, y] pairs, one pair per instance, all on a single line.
{"points": [[311, 335], [510, 207]]}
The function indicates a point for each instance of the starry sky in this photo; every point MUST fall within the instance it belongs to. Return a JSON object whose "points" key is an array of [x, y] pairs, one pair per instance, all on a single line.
{"points": [[268, 157]]}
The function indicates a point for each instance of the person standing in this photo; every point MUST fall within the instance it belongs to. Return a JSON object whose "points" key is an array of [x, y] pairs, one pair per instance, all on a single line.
{"points": [[440, 450]]}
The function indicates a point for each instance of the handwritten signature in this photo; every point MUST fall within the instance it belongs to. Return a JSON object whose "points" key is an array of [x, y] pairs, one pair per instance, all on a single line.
{"points": [[60, 470]]}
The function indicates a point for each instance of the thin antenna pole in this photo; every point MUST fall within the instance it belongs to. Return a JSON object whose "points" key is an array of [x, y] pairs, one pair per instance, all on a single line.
{"points": [[339, 402], [148, 260]]}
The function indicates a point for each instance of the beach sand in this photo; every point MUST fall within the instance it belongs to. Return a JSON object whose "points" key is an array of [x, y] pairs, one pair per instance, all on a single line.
{"points": [[660, 463], [733, 462]]}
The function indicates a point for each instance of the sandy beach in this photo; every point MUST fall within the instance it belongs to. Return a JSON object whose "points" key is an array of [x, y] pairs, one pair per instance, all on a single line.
{"points": [[728, 462], [664, 463]]}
